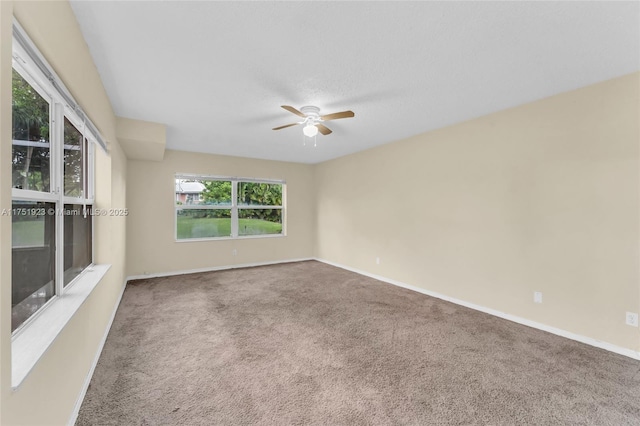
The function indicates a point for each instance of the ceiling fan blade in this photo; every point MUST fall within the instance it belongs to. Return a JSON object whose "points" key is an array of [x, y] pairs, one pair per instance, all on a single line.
{"points": [[337, 115], [323, 129], [285, 126], [293, 111]]}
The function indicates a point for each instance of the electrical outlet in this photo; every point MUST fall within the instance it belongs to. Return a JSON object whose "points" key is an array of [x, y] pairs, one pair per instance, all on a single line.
{"points": [[537, 297], [632, 319], [377, 260], [234, 252]]}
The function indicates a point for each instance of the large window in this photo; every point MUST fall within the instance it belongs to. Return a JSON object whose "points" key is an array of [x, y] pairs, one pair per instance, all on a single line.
{"points": [[52, 179], [217, 207]]}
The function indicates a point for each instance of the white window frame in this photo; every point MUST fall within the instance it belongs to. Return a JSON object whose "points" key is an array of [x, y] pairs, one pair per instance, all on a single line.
{"points": [[35, 335], [59, 109], [234, 207]]}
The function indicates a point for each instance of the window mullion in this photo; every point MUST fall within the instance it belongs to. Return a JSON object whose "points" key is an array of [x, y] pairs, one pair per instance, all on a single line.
{"points": [[83, 151], [201, 207], [234, 208], [21, 194], [57, 144], [91, 172]]}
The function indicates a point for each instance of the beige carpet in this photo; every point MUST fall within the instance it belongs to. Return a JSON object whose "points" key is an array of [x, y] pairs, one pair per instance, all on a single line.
{"points": [[307, 343]]}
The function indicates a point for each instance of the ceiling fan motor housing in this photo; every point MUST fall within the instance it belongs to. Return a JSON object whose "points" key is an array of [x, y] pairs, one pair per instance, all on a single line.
{"points": [[312, 113]]}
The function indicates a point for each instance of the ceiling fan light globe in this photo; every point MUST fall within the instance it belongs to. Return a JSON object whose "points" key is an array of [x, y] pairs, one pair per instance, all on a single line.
{"points": [[310, 130]]}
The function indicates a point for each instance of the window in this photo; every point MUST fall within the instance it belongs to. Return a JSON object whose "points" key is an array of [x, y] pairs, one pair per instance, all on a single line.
{"points": [[219, 207], [52, 179]]}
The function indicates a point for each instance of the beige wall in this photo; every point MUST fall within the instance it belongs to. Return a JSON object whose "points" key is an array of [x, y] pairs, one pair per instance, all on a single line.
{"points": [[151, 245], [47, 396], [542, 197]]}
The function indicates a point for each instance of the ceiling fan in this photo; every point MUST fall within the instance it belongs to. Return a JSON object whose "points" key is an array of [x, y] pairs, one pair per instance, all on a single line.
{"points": [[313, 120]]}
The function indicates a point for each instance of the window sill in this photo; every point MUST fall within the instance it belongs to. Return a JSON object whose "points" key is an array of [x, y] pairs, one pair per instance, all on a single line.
{"points": [[28, 346]]}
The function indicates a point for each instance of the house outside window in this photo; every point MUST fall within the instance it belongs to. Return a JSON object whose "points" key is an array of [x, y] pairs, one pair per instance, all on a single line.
{"points": [[189, 192]]}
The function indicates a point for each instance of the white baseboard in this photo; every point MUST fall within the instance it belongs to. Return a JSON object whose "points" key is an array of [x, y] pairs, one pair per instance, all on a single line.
{"points": [[87, 381], [214, 268], [553, 330]]}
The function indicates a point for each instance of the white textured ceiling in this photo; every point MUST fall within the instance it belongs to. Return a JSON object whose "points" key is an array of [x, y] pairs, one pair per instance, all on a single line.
{"points": [[216, 73]]}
